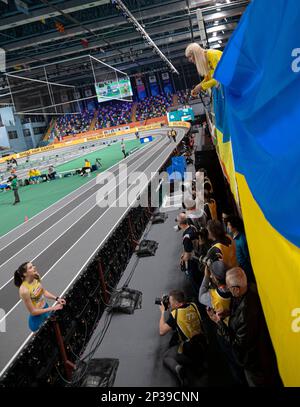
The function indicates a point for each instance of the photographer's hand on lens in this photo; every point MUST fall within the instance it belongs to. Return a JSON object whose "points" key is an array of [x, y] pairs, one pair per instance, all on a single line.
{"points": [[215, 317], [207, 271], [162, 308]]}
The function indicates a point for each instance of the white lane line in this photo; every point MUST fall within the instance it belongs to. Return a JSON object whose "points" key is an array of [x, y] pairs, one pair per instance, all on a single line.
{"points": [[138, 153], [58, 208], [27, 339], [8, 313], [77, 220]]}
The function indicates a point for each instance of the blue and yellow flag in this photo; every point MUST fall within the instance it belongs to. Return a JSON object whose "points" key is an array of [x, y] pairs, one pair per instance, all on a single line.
{"points": [[260, 120]]}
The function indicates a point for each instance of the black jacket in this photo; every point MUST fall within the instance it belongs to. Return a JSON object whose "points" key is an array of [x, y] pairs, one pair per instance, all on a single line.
{"points": [[247, 332]]}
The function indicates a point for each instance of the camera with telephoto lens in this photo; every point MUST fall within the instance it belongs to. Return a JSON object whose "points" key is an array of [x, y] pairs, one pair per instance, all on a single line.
{"points": [[207, 260], [164, 300]]}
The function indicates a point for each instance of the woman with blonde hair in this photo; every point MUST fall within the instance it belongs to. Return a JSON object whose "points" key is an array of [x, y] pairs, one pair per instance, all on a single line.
{"points": [[206, 61]]}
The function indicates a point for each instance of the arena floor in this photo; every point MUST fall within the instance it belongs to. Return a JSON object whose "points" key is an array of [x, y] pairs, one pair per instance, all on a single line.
{"points": [[37, 197], [61, 240]]}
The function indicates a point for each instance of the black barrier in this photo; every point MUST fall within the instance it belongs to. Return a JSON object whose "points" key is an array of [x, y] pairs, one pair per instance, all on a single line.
{"points": [[50, 356]]}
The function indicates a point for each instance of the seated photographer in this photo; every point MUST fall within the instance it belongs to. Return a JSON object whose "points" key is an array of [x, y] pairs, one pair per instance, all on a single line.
{"points": [[223, 246], [213, 292], [51, 173], [87, 167], [185, 319], [246, 331]]}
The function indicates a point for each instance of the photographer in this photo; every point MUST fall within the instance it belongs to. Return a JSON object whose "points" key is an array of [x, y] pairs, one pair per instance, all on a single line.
{"points": [[189, 264], [223, 246], [185, 319], [213, 292]]}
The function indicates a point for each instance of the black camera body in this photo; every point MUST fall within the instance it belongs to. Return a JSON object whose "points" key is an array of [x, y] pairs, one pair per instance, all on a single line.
{"points": [[163, 300], [209, 259]]}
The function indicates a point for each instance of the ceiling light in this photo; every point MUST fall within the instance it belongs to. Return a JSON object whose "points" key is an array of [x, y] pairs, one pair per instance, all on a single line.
{"points": [[220, 42], [218, 9], [214, 34], [216, 22]]}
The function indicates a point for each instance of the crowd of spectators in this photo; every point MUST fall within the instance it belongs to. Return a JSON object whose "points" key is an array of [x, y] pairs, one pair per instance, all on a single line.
{"points": [[113, 113], [153, 106], [225, 303], [72, 124], [184, 96]]}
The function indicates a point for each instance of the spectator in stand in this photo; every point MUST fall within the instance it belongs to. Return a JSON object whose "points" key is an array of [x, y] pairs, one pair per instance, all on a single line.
{"points": [[184, 97], [111, 114], [236, 230], [153, 106], [72, 124]]}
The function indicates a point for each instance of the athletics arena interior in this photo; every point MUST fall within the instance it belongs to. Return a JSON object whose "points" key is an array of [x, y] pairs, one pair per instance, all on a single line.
{"points": [[141, 194]]}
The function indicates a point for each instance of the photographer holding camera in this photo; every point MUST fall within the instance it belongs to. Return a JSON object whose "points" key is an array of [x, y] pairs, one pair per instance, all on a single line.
{"points": [[185, 319], [223, 245], [213, 292]]}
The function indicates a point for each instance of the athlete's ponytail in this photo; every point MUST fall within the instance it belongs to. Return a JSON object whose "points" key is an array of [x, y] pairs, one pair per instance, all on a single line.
{"points": [[19, 274]]}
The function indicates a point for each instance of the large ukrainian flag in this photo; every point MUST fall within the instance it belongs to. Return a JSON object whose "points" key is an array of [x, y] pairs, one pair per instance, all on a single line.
{"points": [[260, 122]]}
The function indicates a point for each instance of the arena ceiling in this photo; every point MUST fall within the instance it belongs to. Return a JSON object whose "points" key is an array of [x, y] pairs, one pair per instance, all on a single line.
{"points": [[35, 32]]}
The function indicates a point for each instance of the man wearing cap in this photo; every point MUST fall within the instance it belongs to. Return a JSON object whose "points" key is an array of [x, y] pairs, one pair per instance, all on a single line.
{"points": [[213, 292]]}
